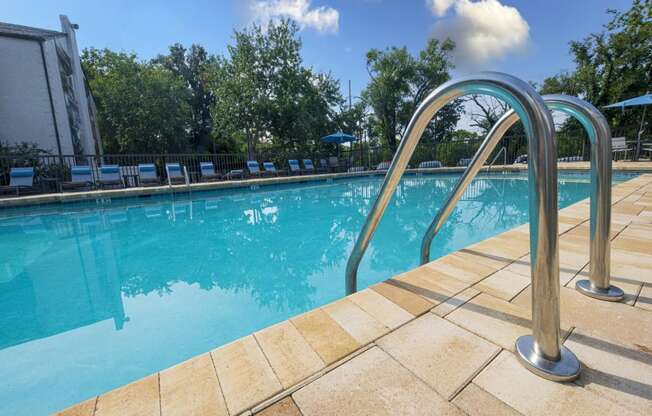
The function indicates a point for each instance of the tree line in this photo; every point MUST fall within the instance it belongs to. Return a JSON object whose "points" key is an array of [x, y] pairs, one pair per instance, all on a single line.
{"points": [[261, 95]]}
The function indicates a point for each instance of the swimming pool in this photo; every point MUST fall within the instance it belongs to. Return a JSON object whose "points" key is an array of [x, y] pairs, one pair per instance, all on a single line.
{"points": [[96, 294]]}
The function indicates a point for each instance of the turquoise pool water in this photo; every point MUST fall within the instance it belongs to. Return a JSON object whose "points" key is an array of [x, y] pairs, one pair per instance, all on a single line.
{"points": [[94, 295]]}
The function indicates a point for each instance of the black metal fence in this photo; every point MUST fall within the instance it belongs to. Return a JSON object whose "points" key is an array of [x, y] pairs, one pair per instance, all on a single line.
{"points": [[52, 170]]}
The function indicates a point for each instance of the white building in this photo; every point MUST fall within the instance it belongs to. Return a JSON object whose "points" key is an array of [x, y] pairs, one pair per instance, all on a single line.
{"points": [[44, 98]]}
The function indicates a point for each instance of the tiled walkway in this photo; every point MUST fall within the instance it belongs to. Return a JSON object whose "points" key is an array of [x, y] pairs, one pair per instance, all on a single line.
{"points": [[436, 340]]}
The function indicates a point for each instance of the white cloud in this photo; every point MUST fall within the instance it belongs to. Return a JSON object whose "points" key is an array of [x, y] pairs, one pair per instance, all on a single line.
{"points": [[483, 30], [323, 19], [439, 7]]}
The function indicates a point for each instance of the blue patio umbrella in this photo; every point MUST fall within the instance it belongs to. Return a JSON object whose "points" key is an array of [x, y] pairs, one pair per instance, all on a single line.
{"points": [[632, 102], [339, 138], [642, 100]]}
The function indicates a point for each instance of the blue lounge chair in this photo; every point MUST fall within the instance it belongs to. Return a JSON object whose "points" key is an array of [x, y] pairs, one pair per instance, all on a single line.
{"points": [[147, 175], [175, 174], [308, 166], [19, 179], [356, 169], [207, 170], [271, 168], [80, 177], [254, 169], [110, 176], [295, 169]]}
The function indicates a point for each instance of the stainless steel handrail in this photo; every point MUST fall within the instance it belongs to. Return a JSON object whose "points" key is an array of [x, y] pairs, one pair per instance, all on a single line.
{"points": [[542, 352], [599, 134]]}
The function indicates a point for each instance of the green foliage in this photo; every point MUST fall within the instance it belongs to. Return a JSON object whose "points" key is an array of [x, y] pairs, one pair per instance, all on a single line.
{"points": [[264, 94], [196, 69], [142, 107], [612, 65], [399, 82]]}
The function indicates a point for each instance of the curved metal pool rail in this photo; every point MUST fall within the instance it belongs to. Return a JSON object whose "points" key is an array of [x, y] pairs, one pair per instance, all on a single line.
{"points": [[542, 352], [599, 134]]}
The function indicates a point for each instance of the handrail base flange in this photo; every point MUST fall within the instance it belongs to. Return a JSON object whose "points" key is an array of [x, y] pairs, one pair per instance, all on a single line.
{"points": [[610, 294], [567, 368]]}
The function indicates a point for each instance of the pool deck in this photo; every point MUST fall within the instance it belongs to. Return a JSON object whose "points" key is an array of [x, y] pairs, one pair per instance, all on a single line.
{"points": [[75, 196], [438, 339]]}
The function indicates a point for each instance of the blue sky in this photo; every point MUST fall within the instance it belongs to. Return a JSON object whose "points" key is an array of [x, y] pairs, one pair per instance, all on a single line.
{"points": [[530, 36]]}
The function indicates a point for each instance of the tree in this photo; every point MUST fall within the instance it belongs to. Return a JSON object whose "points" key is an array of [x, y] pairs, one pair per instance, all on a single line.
{"points": [[142, 108], [612, 65], [264, 94], [193, 67], [399, 82]]}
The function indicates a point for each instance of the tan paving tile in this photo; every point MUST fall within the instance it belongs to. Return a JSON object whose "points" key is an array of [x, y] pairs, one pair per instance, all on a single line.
{"points": [[411, 302], [509, 381], [324, 335], [191, 388], [499, 248], [358, 323], [503, 284], [627, 208], [285, 407], [613, 371], [140, 398], [244, 373], [288, 353], [493, 319], [431, 285], [522, 267], [452, 303], [382, 309], [611, 320], [492, 261], [460, 269], [475, 401], [442, 354], [644, 300], [371, 384], [632, 245], [86, 408]]}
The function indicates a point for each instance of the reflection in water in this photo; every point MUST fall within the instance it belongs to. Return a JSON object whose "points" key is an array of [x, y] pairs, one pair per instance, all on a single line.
{"points": [[96, 294]]}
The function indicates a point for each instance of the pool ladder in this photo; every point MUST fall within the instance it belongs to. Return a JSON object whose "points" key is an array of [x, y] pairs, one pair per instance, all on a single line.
{"points": [[540, 352]]}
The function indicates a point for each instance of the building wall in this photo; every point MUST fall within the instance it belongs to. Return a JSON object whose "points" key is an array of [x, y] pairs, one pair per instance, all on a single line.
{"points": [[25, 108]]}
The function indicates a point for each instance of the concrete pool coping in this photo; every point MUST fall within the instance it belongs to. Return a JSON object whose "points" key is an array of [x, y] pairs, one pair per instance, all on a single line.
{"points": [[63, 197], [436, 339]]}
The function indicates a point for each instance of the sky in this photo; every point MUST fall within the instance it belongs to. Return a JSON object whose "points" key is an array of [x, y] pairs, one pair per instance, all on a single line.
{"points": [[526, 38]]}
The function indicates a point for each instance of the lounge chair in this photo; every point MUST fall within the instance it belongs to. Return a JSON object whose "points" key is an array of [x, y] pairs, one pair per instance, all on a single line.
{"points": [[383, 166], [19, 179], [254, 169], [147, 175], [356, 169], [323, 165], [110, 176], [175, 174], [271, 168], [334, 163], [207, 170], [464, 162], [308, 166], [235, 173], [80, 177], [430, 164], [295, 169], [520, 159], [619, 146]]}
